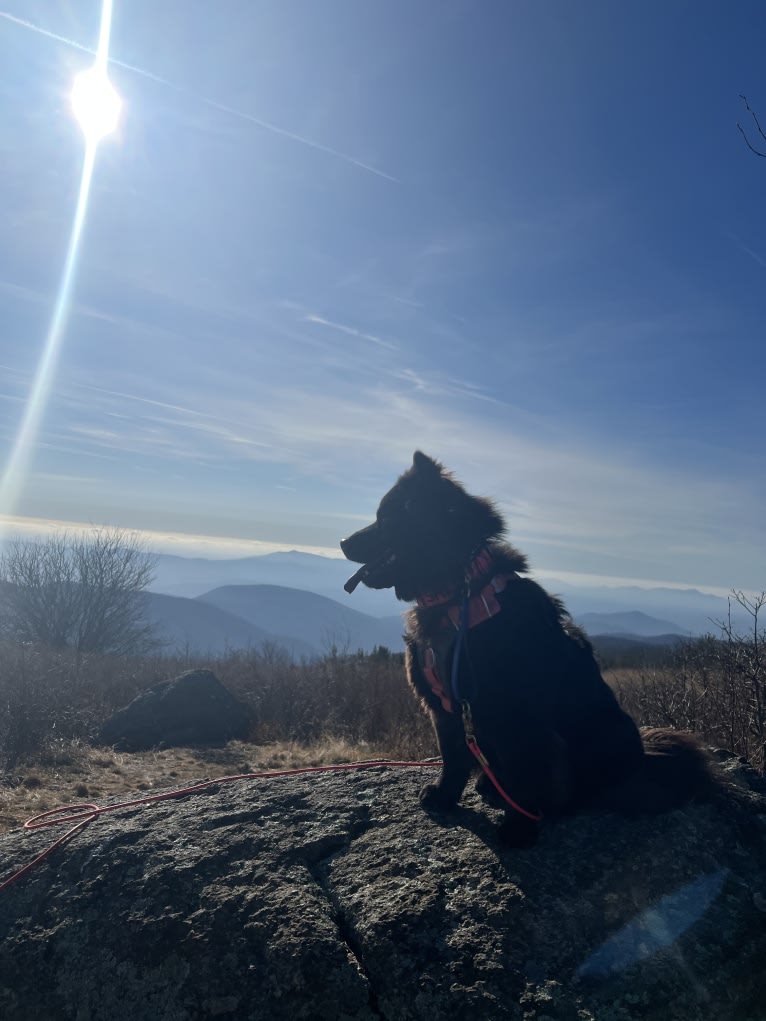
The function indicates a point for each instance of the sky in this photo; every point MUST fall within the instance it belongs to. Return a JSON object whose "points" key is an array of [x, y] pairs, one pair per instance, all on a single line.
{"points": [[526, 238]]}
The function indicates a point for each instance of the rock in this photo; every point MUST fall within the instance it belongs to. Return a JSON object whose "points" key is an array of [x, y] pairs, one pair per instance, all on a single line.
{"points": [[333, 896], [191, 709]]}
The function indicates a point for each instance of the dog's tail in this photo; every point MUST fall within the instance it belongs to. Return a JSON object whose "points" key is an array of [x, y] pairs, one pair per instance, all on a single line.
{"points": [[674, 770]]}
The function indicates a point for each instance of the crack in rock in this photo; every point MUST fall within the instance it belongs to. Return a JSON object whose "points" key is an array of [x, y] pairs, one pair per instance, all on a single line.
{"points": [[346, 933], [321, 852]]}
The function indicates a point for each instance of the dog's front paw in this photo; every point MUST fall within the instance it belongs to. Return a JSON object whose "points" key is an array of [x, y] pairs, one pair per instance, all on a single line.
{"points": [[517, 831], [434, 799]]}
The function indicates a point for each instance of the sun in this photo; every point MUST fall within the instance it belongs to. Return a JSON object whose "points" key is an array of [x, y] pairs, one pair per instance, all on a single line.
{"points": [[95, 103]]}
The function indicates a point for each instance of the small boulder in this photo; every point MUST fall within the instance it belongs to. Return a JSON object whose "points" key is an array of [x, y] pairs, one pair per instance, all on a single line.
{"points": [[191, 709]]}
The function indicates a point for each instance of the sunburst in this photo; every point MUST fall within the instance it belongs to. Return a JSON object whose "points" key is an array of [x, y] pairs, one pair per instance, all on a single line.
{"points": [[96, 106]]}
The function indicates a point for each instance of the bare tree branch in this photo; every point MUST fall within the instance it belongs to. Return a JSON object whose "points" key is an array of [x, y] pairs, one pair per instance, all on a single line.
{"points": [[84, 592], [748, 143]]}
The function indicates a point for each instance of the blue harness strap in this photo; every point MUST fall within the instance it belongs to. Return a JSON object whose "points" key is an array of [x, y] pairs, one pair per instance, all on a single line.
{"points": [[470, 736], [458, 648]]}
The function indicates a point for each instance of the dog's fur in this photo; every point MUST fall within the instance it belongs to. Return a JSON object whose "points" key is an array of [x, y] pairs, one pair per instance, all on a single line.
{"points": [[544, 717]]}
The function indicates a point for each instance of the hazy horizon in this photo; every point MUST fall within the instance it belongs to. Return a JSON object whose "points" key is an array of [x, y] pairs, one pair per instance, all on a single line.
{"points": [[212, 548]]}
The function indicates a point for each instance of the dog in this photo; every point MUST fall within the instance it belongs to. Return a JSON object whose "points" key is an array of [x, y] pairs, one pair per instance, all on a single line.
{"points": [[510, 682]]}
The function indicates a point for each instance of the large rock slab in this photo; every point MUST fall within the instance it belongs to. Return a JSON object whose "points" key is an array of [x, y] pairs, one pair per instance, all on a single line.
{"points": [[192, 709], [333, 896]]}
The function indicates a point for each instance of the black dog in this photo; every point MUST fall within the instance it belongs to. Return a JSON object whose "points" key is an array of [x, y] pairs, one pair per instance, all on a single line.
{"points": [[500, 667]]}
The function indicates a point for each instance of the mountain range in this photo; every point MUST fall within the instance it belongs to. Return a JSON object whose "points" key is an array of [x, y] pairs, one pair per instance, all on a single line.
{"points": [[629, 624], [305, 624], [325, 576], [296, 600]]}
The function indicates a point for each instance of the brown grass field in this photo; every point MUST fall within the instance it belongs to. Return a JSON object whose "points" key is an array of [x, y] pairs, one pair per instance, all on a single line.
{"points": [[75, 772], [81, 774], [362, 697]]}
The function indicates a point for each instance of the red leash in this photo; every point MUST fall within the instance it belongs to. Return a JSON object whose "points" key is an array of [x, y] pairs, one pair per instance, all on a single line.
{"points": [[83, 815], [474, 610], [473, 745]]}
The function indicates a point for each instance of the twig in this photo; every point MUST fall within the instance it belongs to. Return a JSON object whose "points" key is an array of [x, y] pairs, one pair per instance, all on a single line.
{"points": [[748, 143]]}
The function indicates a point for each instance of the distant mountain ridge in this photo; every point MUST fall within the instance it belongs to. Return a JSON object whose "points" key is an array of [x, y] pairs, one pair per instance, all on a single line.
{"points": [[320, 622], [309, 572], [308, 625], [634, 623], [304, 624], [187, 626], [693, 611], [675, 611], [307, 622]]}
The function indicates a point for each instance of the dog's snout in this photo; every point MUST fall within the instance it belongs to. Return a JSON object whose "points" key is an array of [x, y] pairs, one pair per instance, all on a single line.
{"points": [[362, 546], [350, 547]]}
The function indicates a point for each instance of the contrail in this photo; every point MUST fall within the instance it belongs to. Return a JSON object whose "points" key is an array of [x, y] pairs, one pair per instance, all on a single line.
{"points": [[213, 104], [43, 31], [754, 255]]}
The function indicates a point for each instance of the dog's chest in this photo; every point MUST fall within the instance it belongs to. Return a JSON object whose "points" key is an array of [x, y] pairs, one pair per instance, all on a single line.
{"points": [[443, 635], [435, 662]]}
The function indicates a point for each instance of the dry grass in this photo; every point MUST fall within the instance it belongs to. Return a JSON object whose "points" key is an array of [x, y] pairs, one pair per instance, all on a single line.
{"points": [[57, 700], [623, 678], [77, 773]]}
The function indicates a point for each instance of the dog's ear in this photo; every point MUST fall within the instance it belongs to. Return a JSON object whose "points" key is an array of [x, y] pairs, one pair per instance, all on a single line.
{"points": [[423, 463]]}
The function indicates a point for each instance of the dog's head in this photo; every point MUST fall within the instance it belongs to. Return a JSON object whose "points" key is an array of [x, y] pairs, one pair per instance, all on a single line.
{"points": [[425, 531]]}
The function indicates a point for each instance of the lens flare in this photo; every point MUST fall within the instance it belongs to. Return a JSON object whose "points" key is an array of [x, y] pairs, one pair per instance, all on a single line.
{"points": [[97, 108]]}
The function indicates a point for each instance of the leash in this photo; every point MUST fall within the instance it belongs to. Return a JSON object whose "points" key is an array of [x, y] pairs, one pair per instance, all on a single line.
{"points": [[473, 746], [470, 736], [84, 814]]}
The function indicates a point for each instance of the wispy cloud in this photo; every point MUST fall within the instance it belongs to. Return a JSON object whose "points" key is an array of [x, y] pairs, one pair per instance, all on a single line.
{"points": [[569, 501], [555, 490], [350, 331], [754, 255], [743, 247], [547, 484], [192, 412], [179, 543]]}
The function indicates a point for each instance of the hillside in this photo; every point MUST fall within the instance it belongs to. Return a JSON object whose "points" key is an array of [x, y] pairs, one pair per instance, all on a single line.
{"points": [[316, 620], [634, 624], [195, 576], [186, 625]]}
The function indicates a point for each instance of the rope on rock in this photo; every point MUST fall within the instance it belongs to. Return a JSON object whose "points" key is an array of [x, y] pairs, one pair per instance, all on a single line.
{"points": [[84, 814]]}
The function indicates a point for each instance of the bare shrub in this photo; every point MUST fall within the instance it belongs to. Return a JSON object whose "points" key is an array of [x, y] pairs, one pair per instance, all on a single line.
{"points": [[358, 698], [78, 591], [714, 686], [50, 698]]}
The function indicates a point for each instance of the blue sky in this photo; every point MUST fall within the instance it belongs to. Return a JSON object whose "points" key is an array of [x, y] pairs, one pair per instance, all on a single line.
{"points": [[526, 238]]}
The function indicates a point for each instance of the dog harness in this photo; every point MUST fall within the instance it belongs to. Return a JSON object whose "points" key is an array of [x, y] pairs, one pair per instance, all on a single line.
{"points": [[482, 605], [474, 610]]}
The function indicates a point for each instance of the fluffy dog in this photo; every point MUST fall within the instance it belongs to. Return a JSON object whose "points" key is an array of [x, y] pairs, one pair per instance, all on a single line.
{"points": [[500, 666]]}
